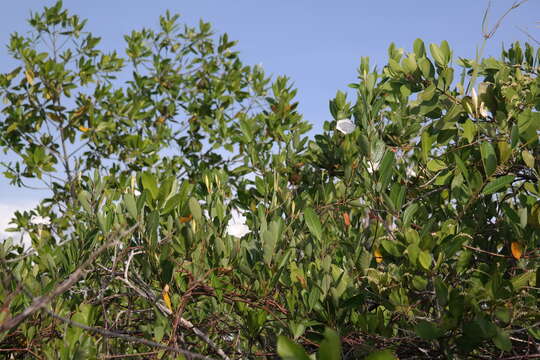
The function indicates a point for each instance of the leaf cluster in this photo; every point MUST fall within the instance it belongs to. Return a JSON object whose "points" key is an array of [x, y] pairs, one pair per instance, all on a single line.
{"points": [[416, 235]]}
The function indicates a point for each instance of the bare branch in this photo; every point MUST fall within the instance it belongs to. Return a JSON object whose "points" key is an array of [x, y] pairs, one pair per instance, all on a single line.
{"points": [[42, 301], [147, 293], [489, 34], [111, 334], [529, 35]]}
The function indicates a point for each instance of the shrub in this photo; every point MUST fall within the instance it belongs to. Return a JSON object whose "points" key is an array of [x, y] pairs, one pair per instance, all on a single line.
{"points": [[409, 226]]}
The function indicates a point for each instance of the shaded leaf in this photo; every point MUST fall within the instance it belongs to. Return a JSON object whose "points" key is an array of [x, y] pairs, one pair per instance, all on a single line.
{"points": [[313, 223], [498, 184], [289, 350]]}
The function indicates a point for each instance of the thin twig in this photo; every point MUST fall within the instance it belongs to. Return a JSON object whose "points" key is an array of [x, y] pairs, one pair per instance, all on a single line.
{"points": [[485, 252], [150, 296], [529, 35], [21, 350], [489, 34], [42, 301], [112, 334], [121, 356]]}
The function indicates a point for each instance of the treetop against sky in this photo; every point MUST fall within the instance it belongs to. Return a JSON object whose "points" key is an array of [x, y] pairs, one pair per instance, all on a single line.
{"points": [[316, 43]]}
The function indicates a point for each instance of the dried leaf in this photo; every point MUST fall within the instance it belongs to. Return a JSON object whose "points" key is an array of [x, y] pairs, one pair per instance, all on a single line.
{"points": [[378, 256], [517, 250], [185, 219], [166, 297], [346, 219]]}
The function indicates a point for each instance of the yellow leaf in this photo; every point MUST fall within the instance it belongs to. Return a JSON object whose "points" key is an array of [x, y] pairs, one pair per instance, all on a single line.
{"points": [[517, 250], [378, 256], [29, 76], [83, 129], [55, 117], [80, 111], [12, 127], [166, 297]]}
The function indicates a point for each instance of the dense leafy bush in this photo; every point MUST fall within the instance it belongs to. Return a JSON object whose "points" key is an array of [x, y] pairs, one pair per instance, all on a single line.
{"points": [[190, 214]]}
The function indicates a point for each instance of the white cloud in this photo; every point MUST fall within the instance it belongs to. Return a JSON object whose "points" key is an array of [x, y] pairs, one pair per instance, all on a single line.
{"points": [[7, 211]]}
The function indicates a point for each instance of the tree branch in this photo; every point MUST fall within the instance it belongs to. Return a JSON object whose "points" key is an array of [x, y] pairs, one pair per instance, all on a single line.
{"points": [[42, 301]]}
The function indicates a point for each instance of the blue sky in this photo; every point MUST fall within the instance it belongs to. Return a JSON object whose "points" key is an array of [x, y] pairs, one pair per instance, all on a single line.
{"points": [[316, 43]]}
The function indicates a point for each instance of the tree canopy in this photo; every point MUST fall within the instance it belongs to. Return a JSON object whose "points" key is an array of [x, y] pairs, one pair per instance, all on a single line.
{"points": [[191, 215]]}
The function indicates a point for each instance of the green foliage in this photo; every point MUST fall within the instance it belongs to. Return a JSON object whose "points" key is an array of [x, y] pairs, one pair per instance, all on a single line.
{"points": [[415, 235]]}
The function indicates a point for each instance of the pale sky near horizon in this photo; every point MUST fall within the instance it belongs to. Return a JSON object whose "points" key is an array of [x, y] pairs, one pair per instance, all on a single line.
{"points": [[318, 44]]}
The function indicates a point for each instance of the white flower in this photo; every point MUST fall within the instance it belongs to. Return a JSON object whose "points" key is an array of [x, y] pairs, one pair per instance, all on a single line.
{"points": [[40, 220], [372, 166], [237, 230], [237, 225], [482, 110], [136, 192], [392, 226], [474, 99], [409, 171], [365, 221], [346, 126]]}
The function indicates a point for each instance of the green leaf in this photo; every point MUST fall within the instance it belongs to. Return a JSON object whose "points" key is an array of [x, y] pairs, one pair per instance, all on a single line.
{"points": [[514, 136], [502, 340], [270, 238], [445, 50], [426, 142], [419, 282], [424, 258], [167, 268], [504, 151], [195, 209], [363, 143], [419, 48], [412, 252], [498, 184], [330, 348], [436, 165], [409, 64], [427, 330], [386, 168], [173, 202], [528, 124], [390, 247], [453, 112], [522, 280], [426, 67], [313, 223], [438, 55], [131, 205], [408, 214], [149, 183], [489, 158], [528, 158], [84, 315], [84, 198], [504, 314], [427, 95], [288, 350], [159, 331], [469, 130], [381, 355], [441, 291]]}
